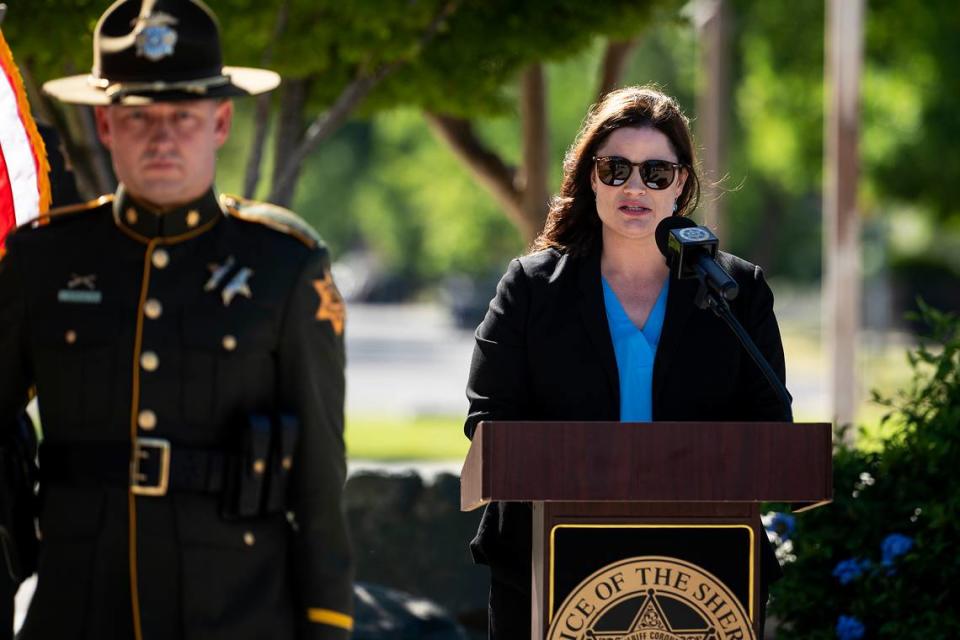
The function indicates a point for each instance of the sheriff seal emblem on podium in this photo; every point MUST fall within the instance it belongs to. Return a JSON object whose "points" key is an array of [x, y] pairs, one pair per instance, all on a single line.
{"points": [[651, 598]]}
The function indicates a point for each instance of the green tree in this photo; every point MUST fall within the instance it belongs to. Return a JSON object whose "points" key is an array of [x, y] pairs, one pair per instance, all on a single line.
{"points": [[457, 57], [884, 552], [909, 94]]}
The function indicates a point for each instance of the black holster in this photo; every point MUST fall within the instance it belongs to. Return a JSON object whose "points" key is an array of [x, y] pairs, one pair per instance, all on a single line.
{"points": [[258, 477]]}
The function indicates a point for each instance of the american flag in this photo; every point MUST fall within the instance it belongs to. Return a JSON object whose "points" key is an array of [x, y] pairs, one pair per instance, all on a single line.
{"points": [[24, 179]]}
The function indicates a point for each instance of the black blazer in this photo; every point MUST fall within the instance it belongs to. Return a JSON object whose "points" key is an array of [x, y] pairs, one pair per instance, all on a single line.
{"points": [[544, 352]]}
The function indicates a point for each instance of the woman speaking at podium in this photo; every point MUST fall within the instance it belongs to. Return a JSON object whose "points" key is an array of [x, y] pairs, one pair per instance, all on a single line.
{"points": [[589, 327]]}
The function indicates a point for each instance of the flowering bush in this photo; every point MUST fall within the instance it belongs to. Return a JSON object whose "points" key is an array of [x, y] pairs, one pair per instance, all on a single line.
{"points": [[882, 561], [849, 570], [849, 628], [894, 546]]}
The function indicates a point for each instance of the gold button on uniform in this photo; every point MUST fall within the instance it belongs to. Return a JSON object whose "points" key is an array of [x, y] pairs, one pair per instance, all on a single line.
{"points": [[193, 218], [160, 258], [249, 539], [131, 215], [147, 420], [259, 466], [70, 336], [149, 361], [229, 342], [152, 308]]}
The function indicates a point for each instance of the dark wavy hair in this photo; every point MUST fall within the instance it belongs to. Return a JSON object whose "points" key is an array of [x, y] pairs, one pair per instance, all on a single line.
{"points": [[572, 222]]}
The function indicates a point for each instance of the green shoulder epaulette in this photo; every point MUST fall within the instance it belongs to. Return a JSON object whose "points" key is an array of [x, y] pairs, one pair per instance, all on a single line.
{"points": [[272, 216], [61, 213]]}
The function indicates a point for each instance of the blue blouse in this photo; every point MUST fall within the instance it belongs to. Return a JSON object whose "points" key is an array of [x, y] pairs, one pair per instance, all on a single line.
{"points": [[635, 350]]}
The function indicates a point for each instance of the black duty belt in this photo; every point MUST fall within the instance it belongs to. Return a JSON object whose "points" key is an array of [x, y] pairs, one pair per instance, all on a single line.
{"points": [[152, 468]]}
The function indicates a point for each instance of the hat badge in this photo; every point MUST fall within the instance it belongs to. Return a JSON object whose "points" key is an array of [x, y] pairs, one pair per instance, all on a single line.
{"points": [[156, 37]]}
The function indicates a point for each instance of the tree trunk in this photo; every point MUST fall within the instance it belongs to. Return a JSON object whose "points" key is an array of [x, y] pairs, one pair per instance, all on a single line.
{"points": [[261, 127], [496, 176], [261, 115], [843, 71], [81, 121], [287, 167], [99, 157], [713, 107], [523, 193], [614, 63], [764, 246], [534, 190], [78, 158], [293, 100]]}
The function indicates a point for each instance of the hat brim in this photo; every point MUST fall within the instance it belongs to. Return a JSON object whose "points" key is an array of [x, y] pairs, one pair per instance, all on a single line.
{"points": [[244, 81]]}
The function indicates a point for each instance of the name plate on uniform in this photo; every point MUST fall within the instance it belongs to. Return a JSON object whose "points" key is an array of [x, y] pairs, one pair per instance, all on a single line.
{"points": [[79, 296]]}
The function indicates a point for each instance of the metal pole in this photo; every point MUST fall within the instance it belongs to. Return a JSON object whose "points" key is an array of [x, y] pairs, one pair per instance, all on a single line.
{"points": [[713, 101], [841, 227]]}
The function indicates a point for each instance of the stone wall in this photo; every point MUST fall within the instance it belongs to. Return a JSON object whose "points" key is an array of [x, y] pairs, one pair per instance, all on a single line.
{"points": [[410, 535]]}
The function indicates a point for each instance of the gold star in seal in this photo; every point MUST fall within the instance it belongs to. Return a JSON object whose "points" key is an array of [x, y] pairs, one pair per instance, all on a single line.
{"points": [[650, 617], [331, 304]]}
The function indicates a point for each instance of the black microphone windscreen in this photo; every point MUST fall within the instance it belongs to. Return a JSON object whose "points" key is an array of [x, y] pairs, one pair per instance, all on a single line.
{"points": [[666, 226]]}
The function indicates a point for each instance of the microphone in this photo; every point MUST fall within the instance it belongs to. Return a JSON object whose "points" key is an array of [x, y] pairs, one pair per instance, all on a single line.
{"points": [[690, 251]]}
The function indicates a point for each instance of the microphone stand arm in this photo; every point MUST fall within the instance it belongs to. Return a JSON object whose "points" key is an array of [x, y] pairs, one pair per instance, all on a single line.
{"points": [[708, 298]]}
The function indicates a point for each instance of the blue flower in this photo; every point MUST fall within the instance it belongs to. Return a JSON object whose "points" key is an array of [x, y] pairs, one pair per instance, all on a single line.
{"points": [[849, 570], [783, 524], [894, 546], [849, 628]]}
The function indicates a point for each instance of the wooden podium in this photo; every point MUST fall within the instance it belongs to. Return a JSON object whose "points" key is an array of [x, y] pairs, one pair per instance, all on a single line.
{"points": [[685, 496]]}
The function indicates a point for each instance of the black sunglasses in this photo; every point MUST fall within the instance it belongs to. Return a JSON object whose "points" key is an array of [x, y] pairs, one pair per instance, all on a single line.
{"points": [[613, 171]]}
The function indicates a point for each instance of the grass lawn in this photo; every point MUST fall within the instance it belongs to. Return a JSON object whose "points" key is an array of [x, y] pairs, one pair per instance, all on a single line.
{"points": [[371, 437], [881, 365]]}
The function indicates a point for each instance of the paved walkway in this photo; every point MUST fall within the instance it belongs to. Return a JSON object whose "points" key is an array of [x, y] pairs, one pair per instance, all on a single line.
{"points": [[411, 360], [406, 360]]}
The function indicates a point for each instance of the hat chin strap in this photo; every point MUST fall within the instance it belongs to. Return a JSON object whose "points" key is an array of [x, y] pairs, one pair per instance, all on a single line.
{"points": [[113, 44], [118, 90], [146, 8]]}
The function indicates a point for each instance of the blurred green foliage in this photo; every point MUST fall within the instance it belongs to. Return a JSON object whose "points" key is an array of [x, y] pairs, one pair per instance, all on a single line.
{"points": [[465, 69], [383, 183], [840, 559], [910, 85]]}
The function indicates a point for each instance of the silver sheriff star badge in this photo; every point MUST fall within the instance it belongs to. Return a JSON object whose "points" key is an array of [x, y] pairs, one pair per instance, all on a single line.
{"points": [[218, 272], [238, 286]]}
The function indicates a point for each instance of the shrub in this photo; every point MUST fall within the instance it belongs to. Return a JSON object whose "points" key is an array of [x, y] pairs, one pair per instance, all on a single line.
{"points": [[883, 561]]}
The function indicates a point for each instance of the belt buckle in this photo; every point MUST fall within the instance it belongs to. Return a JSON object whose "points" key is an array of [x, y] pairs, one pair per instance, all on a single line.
{"points": [[144, 451]]}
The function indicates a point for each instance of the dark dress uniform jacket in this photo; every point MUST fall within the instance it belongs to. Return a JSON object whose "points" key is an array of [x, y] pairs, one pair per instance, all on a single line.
{"points": [[107, 312], [544, 352]]}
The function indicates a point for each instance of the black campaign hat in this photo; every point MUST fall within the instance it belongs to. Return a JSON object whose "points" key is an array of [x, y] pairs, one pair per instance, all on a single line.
{"points": [[148, 51]]}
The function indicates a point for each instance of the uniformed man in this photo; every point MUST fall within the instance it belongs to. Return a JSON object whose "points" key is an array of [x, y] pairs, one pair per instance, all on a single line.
{"points": [[187, 354]]}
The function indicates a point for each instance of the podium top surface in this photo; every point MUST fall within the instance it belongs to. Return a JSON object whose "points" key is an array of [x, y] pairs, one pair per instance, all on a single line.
{"points": [[648, 462]]}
